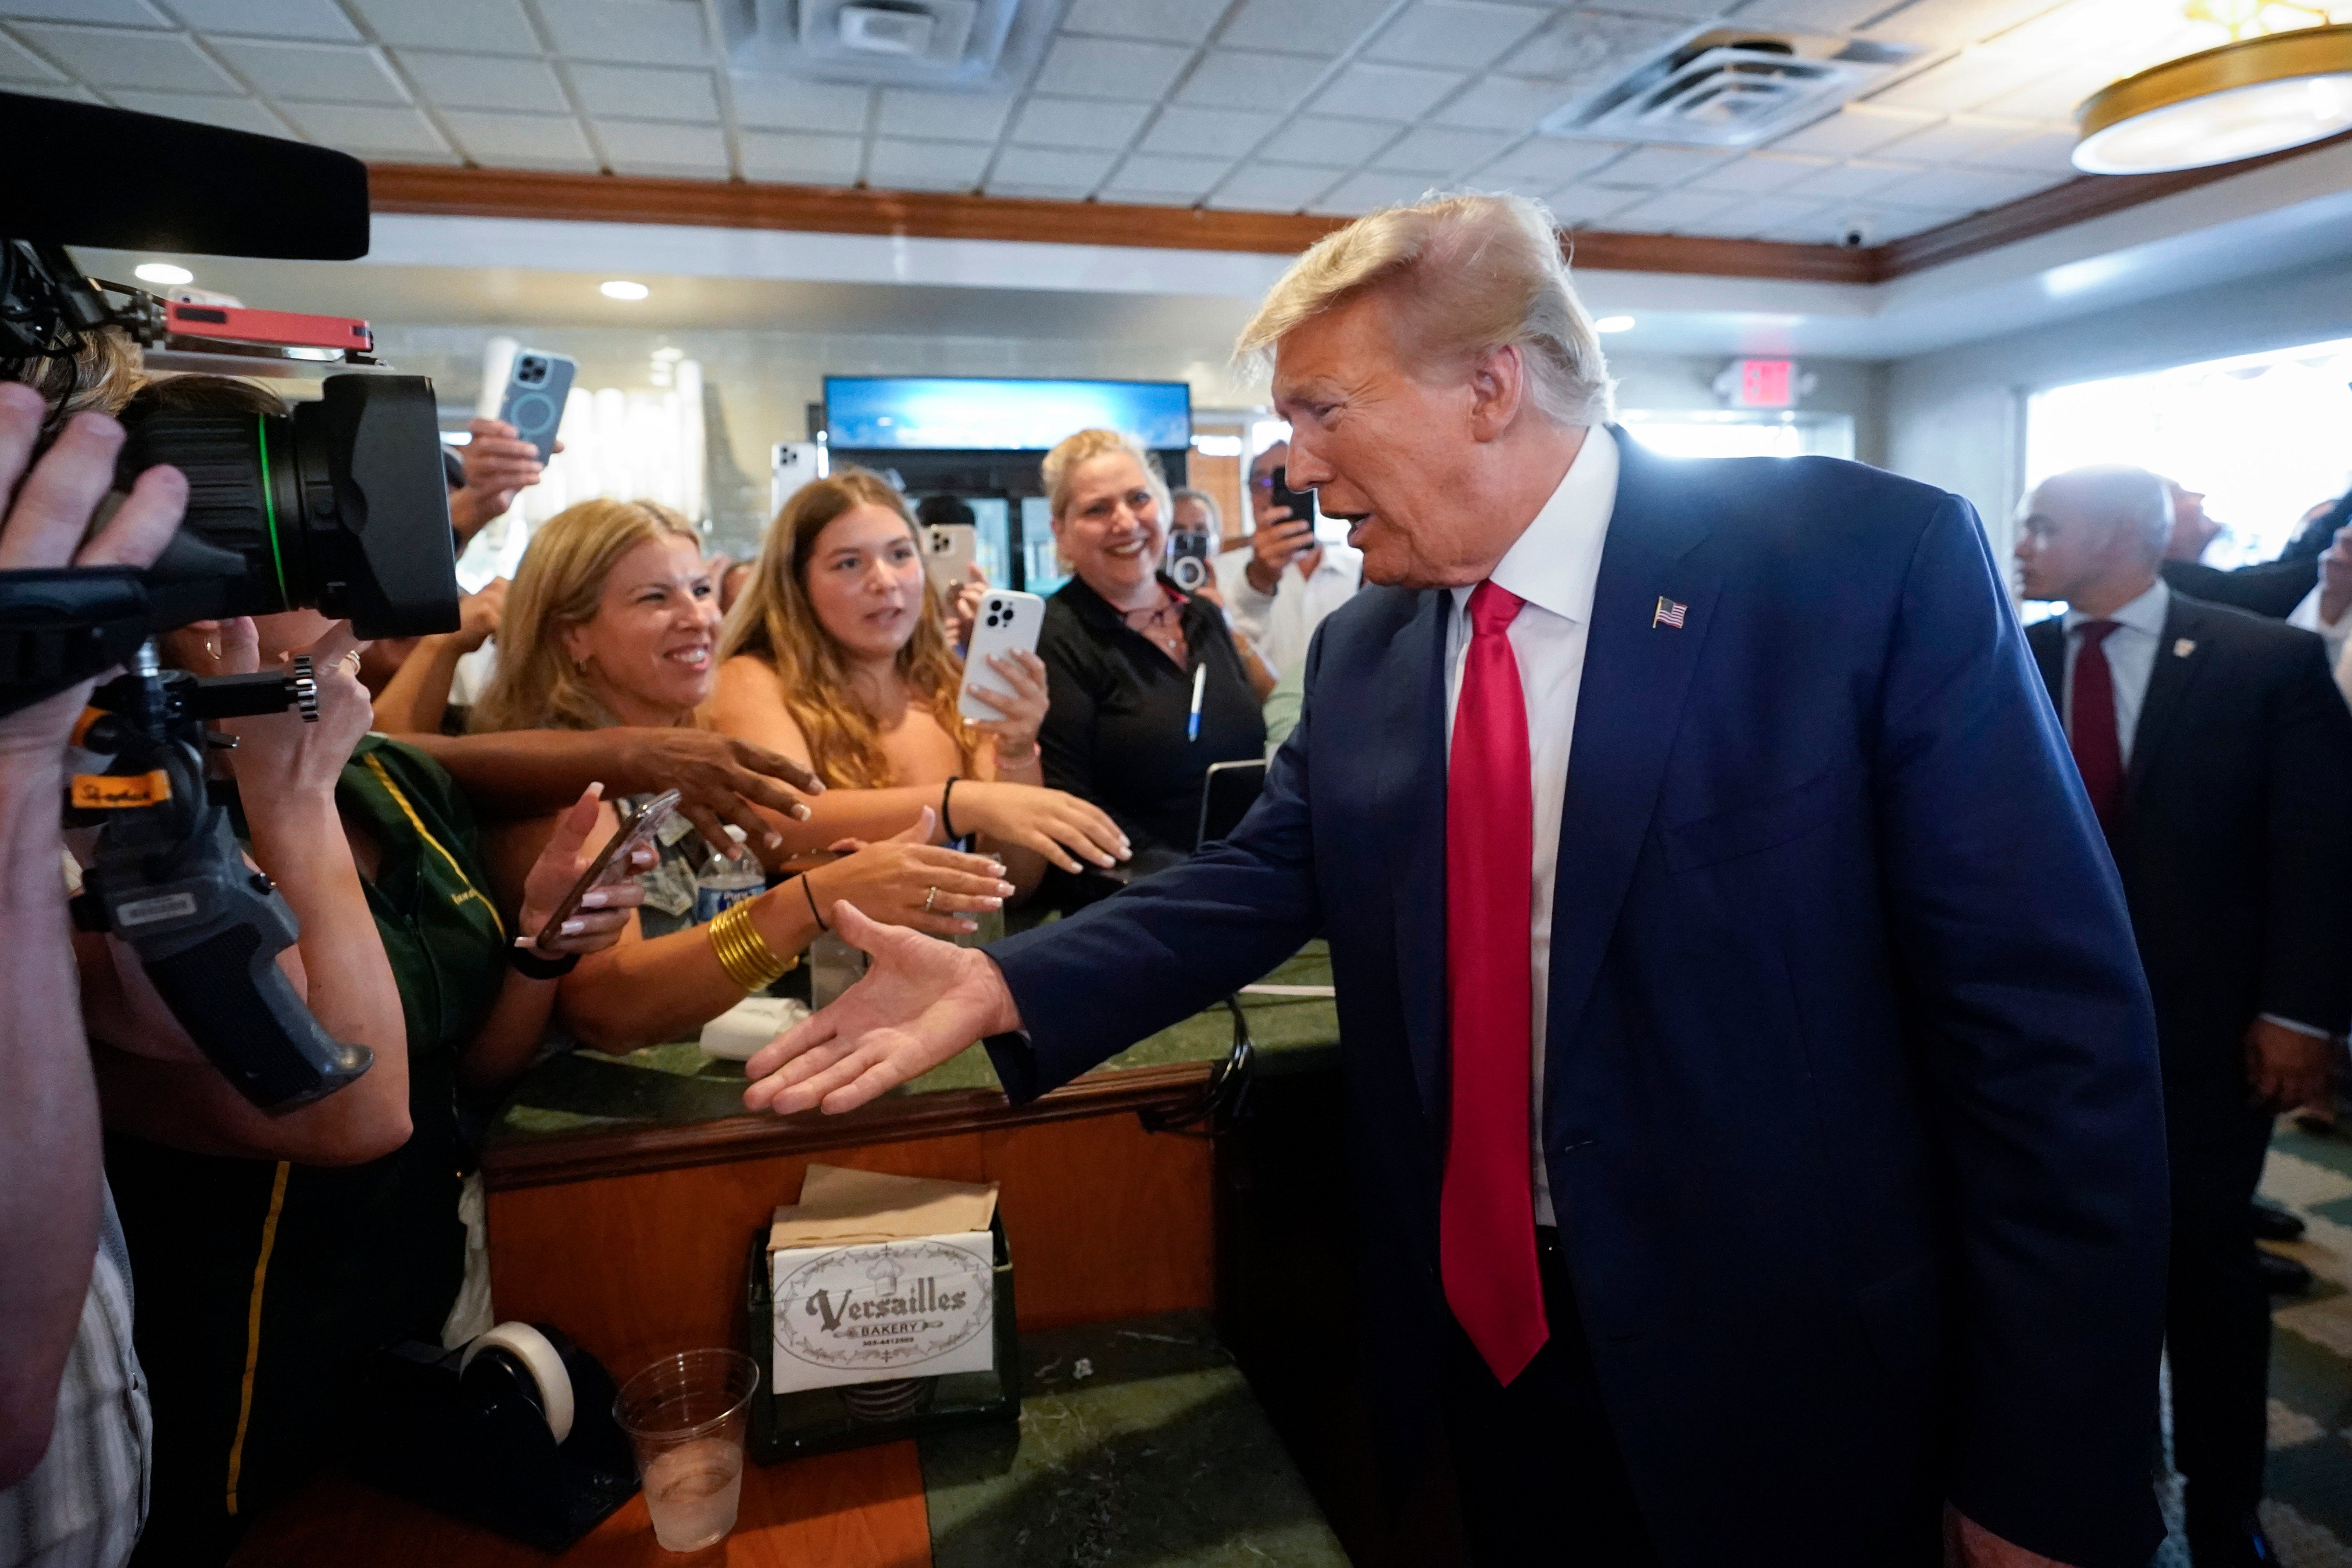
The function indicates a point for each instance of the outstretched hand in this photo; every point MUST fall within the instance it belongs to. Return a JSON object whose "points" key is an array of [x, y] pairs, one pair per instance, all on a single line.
{"points": [[921, 1002]]}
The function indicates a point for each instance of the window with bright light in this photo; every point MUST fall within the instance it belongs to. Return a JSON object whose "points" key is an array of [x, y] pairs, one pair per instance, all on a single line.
{"points": [[2263, 437]]}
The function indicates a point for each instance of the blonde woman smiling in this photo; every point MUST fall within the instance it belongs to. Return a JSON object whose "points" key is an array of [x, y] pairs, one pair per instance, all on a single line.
{"points": [[838, 656], [613, 619]]}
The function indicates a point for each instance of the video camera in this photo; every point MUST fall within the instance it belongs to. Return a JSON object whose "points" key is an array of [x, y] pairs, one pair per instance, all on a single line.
{"points": [[341, 506]]}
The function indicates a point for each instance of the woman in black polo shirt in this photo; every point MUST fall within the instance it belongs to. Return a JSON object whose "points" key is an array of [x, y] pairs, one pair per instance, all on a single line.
{"points": [[1124, 649]]}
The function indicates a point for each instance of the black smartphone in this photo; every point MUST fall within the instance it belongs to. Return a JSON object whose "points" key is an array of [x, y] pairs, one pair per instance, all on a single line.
{"points": [[1300, 502]]}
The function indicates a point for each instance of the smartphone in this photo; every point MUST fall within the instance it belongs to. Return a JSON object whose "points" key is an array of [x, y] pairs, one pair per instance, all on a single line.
{"points": [[1188, 560], [1008, 623], [1300, 502], [534, 403], [949, 548], [639, 830]]}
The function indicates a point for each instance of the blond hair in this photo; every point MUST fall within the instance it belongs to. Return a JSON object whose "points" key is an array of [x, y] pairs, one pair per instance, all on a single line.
{"points": [[560, 585], [1074, 452], [1476, 273], [773, 620]]}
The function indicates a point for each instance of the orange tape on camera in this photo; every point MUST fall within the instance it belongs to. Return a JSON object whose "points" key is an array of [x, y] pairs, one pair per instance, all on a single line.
{"points": [[115, 792]]}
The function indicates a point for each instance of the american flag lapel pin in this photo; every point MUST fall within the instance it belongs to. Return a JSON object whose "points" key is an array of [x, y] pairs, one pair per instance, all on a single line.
{"points": [[2184, 647], [1669, 614]]}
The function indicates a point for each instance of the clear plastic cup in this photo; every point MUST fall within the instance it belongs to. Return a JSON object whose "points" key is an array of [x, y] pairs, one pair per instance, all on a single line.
{"points": [[685, 1416]]}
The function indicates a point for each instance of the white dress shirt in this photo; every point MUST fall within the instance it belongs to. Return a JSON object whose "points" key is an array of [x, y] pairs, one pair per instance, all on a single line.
{"points": [[1553, 566], [1281, 624], [2131, 658]]}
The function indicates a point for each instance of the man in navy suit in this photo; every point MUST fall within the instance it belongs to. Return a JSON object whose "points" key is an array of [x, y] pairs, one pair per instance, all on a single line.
{"points": [[1754, 1109]]}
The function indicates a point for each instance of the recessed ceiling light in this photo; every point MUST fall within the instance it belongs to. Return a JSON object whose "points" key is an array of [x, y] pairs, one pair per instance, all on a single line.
{"points": [[622, 289], [1613, 324], [163, 272]]}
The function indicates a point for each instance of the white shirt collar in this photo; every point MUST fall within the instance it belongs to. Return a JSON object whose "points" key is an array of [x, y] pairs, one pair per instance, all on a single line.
{"points": [[1556, 562], [2145, 614]]}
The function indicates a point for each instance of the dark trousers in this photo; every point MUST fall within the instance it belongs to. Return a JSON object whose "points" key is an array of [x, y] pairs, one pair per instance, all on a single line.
{"points": [[1536, 1466], [2217, 1325]]}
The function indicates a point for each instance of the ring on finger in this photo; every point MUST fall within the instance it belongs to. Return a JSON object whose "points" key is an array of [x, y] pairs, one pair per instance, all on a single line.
{"points": [[929, 898]]}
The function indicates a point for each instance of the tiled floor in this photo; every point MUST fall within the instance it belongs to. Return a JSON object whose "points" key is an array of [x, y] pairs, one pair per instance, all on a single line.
{"points": [[2310, 1511]]}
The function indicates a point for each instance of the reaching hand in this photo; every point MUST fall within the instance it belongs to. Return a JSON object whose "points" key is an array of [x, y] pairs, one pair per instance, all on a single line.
{"points": [[478, 615], [1056, 825], [919, 1002], [720, 777], [498, 464], [1018, 692], [604, 910], [907, 881]]}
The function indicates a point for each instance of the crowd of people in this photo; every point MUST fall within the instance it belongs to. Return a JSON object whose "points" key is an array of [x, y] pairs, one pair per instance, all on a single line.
{"points": [[806, 705]]}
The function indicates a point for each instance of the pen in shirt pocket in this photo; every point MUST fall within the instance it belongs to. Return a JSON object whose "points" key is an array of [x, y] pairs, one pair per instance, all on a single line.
{"points": [[1200, 682]]}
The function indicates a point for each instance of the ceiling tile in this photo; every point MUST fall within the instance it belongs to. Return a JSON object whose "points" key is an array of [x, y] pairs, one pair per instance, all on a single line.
{"points": [[1110, 68], [1583, 50], [1756, 216], [925, 165], [165, 62], [1815, 15], [1846, 182], [1362, 192], [1274, 187], [365, 128], [17, 64], [1439, 150], [647, 92], [1946, 24], [801, 157], [112, 13], [228, 114], [1038, 166], [486, 81], [1657, 167], [2053, 97], [2048, 152], [1385, 92], [942, 116], [1229, 78], [320, 19], [64, 92], [654, 147], [484, 26], [1163, 21], [1955, 141], [1670, 212], [1175, 179], [1967, 81], [1502, 103], [323, 73], [789, 103], [1452, 32], [1854, 130], [1544, 163], [1206, 133], [522, 141], [1317, 138], [1588, 206], [1078, 122], [1319, 27], [1758, 172], [1970, 189], [634, 32]]}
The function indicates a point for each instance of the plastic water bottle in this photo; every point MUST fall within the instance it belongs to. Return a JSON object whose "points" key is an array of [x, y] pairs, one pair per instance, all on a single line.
{"points": [[728, 877]]}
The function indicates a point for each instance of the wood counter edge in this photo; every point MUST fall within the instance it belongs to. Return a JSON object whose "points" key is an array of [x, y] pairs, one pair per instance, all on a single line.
{"points": [[596, 1153]]}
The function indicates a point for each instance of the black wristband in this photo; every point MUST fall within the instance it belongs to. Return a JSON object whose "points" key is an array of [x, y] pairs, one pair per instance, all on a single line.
{"points": [[533, 964], [810, 894], [946, 823]]}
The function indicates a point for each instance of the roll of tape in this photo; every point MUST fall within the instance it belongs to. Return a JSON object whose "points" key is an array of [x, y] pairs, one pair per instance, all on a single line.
{"points": [[529, 1346]]}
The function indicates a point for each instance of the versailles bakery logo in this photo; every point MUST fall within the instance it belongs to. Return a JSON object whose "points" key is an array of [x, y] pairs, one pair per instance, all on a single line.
{"points": [[883, 1307]]}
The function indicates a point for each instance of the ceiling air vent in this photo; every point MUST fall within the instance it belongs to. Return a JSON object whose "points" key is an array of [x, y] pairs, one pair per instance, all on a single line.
{"points": [[972, 45], [1731, 87]]}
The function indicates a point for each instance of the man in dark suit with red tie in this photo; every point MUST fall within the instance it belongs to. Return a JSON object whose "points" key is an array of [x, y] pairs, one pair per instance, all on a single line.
{"points": [[1753, 1105], [2217, 756]]}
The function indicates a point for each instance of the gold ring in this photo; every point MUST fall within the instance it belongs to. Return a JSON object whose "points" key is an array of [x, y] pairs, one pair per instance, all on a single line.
{"points": [[928, 898]]}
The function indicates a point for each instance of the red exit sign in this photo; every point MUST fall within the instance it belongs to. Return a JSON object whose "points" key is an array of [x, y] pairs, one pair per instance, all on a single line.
{"points": [[1767, 383]]}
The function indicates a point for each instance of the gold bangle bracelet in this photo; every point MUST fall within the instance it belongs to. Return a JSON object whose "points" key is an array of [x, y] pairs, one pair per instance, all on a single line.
{"points": [[744, 952]]}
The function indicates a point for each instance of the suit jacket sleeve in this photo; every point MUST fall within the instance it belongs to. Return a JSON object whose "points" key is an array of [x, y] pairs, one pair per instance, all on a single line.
{"points": [[2025, 1001], [1091, 986], [2307, 943]]}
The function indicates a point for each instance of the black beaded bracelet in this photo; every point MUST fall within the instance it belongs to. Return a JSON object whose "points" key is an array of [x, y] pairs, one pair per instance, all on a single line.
{"points": [[946, 823], [810, 894], [533, 964]]}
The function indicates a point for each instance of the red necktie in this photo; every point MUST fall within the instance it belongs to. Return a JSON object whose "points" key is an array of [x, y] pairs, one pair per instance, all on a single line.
{"points": [[2092, 733], [1487, 1224]]}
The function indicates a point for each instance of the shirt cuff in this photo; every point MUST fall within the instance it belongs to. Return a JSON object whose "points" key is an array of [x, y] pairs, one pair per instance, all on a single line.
{"points": [[2313, 1030]]}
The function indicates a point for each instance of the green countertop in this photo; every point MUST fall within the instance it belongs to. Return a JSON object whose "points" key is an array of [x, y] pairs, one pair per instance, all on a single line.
{"points": [[1139, 1443], [678, 1085]]}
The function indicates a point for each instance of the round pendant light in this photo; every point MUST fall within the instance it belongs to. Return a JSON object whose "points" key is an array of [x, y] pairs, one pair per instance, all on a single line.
{"points": [[2241, 100]]}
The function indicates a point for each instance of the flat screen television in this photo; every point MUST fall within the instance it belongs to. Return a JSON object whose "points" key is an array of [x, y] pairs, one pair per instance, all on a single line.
{"points": [[986, 413]]}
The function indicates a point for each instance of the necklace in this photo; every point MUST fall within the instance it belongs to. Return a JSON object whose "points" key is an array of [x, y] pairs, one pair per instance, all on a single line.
{"points": [[1163, 623]]}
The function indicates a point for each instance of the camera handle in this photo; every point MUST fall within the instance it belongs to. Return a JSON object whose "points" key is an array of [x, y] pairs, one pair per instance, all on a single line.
{"points": [[171, 881]]}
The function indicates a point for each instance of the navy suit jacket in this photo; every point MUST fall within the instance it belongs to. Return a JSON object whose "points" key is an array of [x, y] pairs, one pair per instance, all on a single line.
{"points": [[1851, 1112]]}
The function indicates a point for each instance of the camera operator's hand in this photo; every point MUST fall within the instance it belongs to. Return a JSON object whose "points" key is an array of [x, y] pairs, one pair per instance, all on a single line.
{"points": [[280, 752], [46, 515], [604, 912]]}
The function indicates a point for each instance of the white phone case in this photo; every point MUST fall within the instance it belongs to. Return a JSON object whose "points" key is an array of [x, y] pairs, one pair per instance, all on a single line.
{"points": [[1007, 623], [948, 548]]}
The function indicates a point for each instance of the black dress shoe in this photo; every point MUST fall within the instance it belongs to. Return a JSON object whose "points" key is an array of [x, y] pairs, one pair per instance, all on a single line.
{"points": [[2281, 1276], [2276, 1222], [2230, 1543]]}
